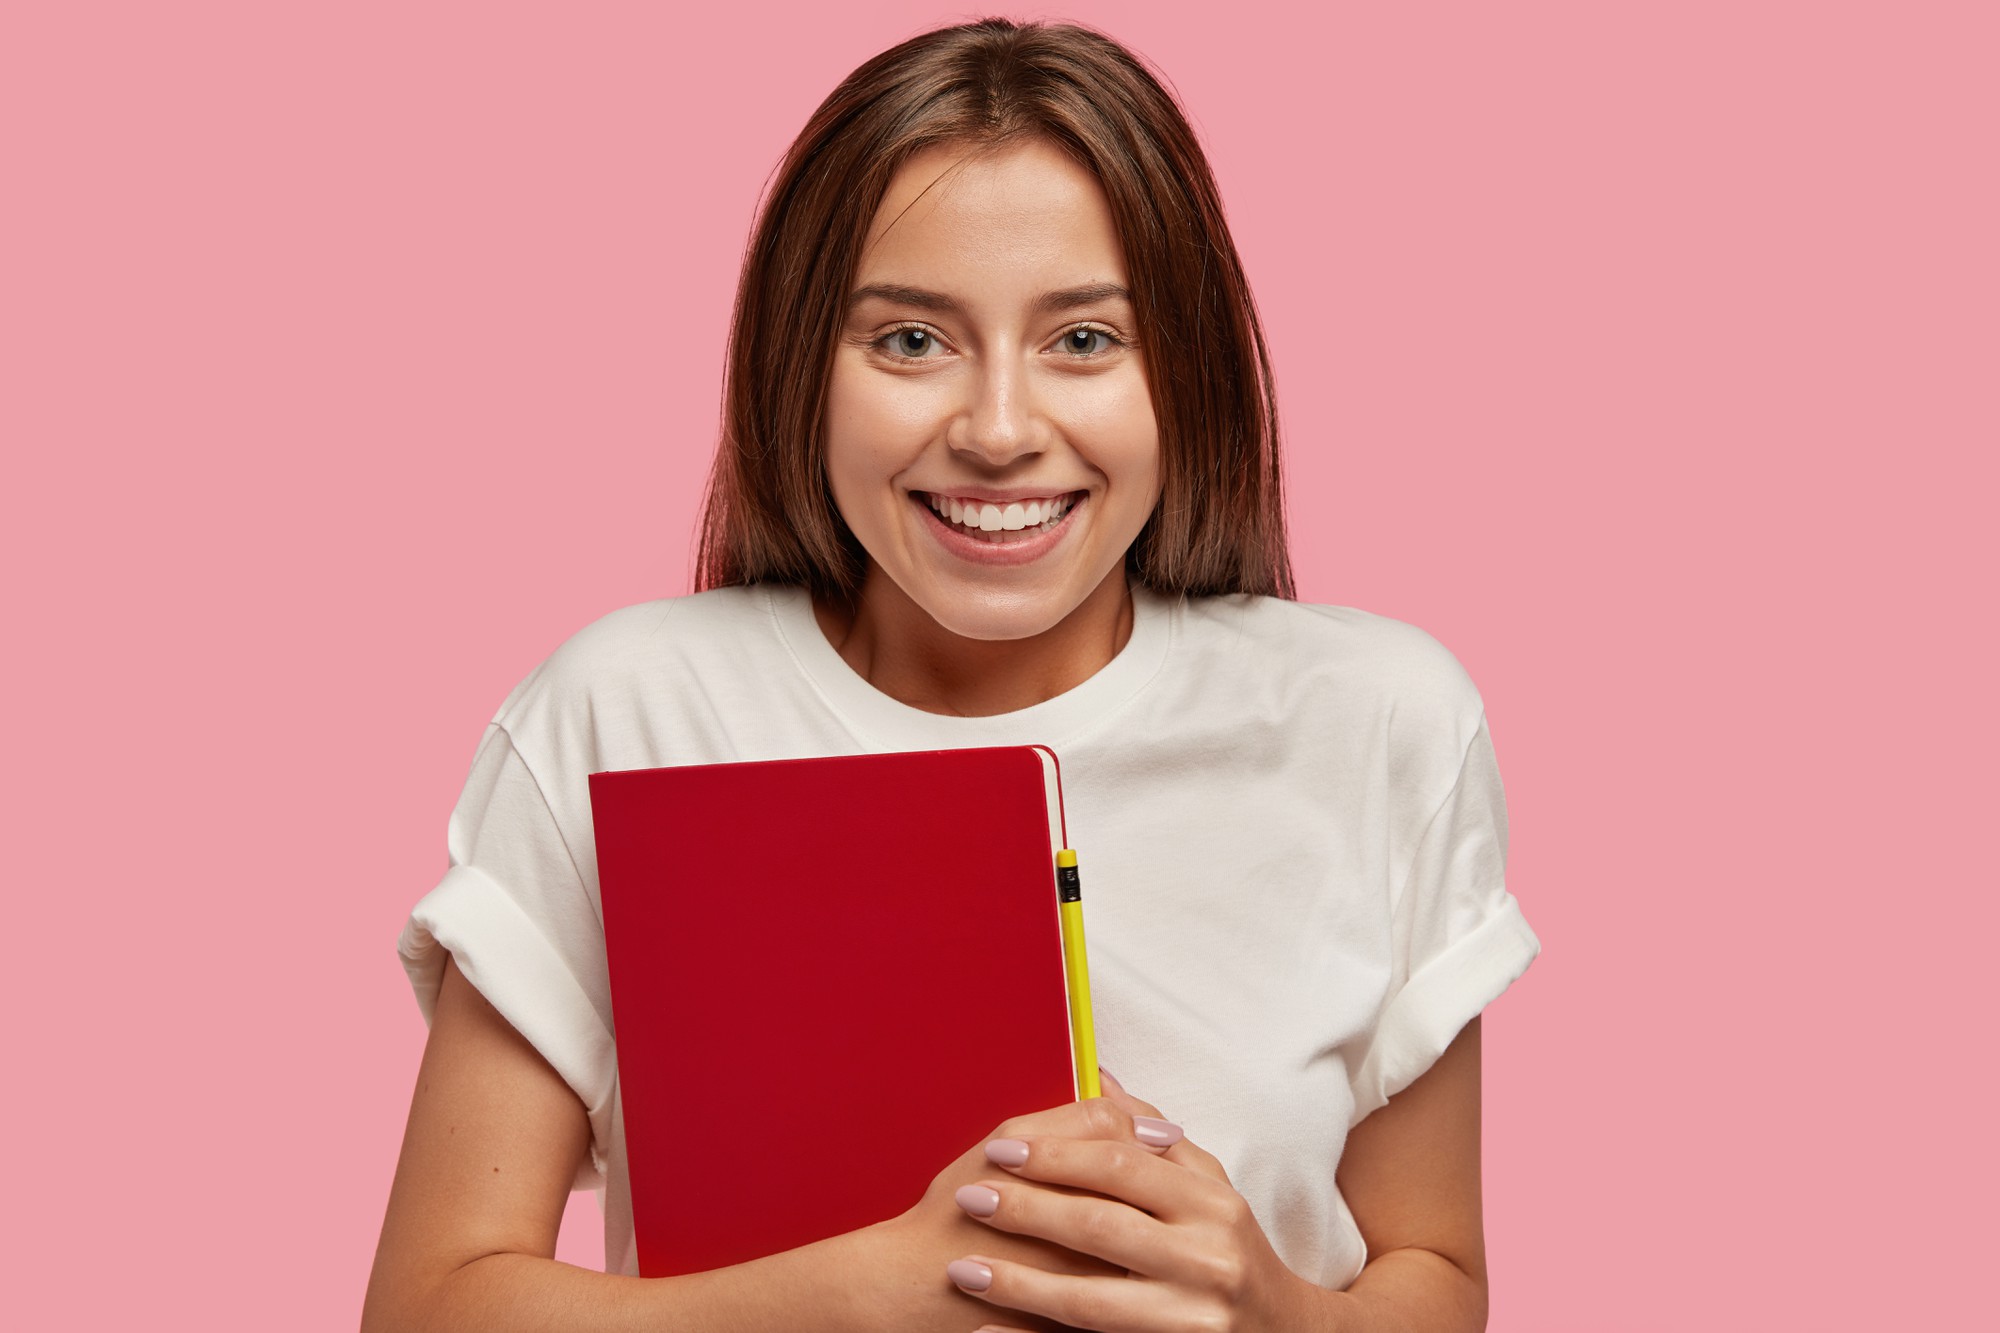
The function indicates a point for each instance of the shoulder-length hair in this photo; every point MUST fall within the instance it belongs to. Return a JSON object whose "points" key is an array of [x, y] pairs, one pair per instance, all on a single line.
{"points": [[1219, 525]]}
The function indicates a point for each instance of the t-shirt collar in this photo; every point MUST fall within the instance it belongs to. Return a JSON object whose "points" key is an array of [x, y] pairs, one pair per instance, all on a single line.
{"points": [[880, 722]]}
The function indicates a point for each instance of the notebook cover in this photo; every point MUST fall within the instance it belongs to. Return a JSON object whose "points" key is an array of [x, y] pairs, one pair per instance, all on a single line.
{"points": [[829, 978]]}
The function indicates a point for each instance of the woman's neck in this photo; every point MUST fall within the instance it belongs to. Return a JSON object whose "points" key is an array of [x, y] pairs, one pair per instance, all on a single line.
{"points": [[893, 643]]}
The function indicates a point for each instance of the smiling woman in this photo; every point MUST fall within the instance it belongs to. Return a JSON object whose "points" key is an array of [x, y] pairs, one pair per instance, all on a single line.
{"points": [[1076, 117], [942, 434], [999, 467]]}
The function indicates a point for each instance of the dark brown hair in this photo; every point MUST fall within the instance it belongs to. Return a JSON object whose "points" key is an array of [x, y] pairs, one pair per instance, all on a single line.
{"points": [[1219, 526]]}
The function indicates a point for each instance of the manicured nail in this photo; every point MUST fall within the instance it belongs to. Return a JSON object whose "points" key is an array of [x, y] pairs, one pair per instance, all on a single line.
{"points": [[1157, 1133], [1007, 1152], [969, 1274], [978, 1200]]}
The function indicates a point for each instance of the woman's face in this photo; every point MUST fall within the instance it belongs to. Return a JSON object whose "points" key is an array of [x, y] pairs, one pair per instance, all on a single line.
{"points": [[989, 435]]}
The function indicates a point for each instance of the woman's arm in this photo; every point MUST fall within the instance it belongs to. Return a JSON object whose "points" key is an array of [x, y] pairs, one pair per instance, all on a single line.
{"points": [[492, 1146], [1410, 1175]]}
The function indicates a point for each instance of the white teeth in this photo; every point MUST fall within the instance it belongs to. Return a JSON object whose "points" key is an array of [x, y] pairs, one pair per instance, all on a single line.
{"points": [[989, 521]]}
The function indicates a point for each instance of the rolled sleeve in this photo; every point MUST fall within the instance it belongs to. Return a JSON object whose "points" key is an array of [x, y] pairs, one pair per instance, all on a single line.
{"points": [[1459, 938], [515, 914]]}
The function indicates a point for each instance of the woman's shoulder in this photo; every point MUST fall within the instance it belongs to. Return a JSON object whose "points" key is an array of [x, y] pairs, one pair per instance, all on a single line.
{"points": [[1340, 661], [645, 646], [1356, 645]]}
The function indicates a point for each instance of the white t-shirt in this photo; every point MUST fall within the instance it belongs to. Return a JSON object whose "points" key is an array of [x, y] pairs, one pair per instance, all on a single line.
{"points": [[1294, 830]]}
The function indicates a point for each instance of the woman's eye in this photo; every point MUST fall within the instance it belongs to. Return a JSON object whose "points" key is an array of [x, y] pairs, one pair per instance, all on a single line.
{"points": [[910, 344], [1077, 340]]}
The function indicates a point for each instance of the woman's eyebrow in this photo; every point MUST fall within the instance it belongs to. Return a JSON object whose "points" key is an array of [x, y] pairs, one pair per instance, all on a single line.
{"points": [[1046, 304]]}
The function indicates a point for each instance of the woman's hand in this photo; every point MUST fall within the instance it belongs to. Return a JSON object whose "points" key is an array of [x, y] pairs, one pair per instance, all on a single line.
{"points": [[914, 1249], [1183, 1250]]}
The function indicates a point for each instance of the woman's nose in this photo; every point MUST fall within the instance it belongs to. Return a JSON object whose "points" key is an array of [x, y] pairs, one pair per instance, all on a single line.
{"points": [[1000, 421]]}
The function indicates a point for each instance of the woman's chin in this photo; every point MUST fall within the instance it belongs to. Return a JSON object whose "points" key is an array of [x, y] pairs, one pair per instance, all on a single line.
{"points": [[997, 624], [990, 608]]}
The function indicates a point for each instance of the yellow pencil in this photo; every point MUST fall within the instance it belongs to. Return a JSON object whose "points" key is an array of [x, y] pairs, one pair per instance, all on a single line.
{"points": [[1076, 969]]}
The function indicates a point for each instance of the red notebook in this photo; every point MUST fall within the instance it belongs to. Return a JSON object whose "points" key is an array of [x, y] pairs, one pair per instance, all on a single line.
{"points": [[829, 978]]}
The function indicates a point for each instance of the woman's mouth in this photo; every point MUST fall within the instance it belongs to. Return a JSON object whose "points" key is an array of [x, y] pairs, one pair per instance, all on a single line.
{"points": [[990, 533], [1000, 524]]}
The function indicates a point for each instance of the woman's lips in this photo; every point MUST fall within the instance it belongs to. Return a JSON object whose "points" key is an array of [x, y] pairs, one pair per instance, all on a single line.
{"points": [[1021, 547]]}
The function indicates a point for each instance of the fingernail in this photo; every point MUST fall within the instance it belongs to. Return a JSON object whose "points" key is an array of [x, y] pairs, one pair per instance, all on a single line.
{"points": [[1157, 1133], [1007, 1152], [978, 1200], [968, 1274]]}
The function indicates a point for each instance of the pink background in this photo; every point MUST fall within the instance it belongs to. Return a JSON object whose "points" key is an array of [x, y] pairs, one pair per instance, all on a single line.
{"points": [[356, 354]]}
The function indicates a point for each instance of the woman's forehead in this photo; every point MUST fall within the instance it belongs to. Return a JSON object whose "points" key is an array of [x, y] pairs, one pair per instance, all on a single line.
{"points": [[1024, 213]]}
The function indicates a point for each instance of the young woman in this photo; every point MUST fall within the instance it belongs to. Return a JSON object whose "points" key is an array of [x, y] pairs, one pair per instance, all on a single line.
{"points": [[1000, 466]]}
